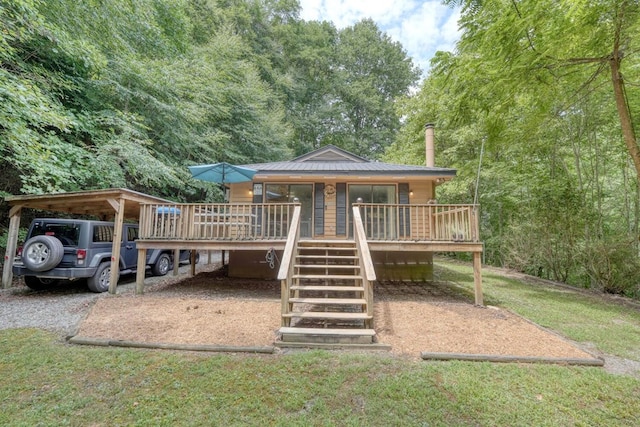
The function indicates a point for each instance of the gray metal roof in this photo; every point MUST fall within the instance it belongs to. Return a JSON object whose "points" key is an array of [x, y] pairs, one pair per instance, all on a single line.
{"points": [[371, 168], [333, 160]]}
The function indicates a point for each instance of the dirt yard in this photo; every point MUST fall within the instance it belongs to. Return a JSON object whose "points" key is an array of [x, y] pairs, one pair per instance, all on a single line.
{"points": [[411, 317]]}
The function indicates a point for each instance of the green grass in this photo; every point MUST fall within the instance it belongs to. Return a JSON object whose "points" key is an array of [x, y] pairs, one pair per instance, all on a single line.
{"points": [[47, 382]]}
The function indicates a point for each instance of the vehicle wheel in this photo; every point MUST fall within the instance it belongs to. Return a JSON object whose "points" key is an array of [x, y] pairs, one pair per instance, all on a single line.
{"points": [[42, 253], [101, 280], [38, 284], [162, 266]]}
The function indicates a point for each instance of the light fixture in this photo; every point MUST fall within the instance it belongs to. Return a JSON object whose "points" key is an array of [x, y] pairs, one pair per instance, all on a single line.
{"points": [[410, 193]]}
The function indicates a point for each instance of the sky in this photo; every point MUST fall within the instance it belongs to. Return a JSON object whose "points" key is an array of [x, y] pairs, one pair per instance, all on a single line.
{"points": [[422, 27]]}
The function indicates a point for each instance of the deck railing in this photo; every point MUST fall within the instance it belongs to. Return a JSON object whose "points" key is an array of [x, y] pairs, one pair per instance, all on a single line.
{"points": [[215, 221], [395, 222], [271, 221], [366, 263], [287, 265]]}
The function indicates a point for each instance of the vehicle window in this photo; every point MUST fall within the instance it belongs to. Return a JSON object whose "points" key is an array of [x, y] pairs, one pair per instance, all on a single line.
{"points": [[103, 234], [67, 233], [132, 234]]}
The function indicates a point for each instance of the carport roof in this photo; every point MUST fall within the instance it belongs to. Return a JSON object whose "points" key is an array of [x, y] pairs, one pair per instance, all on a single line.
{"points": [[101, 203]]}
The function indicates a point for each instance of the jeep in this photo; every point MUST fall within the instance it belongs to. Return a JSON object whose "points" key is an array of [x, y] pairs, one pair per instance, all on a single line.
{"points": [[69, 249]]}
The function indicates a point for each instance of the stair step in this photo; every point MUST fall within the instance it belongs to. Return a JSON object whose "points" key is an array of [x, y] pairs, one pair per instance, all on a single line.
{"points": [[328, 248], [327, 331], [327, 276], [327, 288], [345, 257], [327, 301], [333, 346], [334, 266], [315, 242], [328, 315], [325, 336]]}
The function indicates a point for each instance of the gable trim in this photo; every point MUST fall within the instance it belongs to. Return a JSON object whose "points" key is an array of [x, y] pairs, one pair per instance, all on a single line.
{"points": [[330, 153]]}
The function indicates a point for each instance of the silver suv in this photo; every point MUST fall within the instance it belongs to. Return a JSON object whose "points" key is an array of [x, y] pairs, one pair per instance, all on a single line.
{"points": [[69, 249]]}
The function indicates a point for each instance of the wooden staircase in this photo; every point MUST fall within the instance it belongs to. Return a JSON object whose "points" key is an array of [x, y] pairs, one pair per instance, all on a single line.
{"points": [[326, 302]]}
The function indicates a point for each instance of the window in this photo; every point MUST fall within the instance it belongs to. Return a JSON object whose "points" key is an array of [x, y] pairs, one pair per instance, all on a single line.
{"points": [[378, 223], [285, 193], [68, 233]]}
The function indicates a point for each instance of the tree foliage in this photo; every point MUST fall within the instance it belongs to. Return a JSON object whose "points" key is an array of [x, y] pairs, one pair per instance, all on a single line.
{"points": [[127, 93], [531, 84]]}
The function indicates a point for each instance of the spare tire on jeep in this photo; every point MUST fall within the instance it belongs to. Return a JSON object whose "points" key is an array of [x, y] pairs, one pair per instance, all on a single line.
{"points": [[42, 253]]}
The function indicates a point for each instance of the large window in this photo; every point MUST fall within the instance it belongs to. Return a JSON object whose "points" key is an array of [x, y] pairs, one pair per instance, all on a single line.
{"points": [[285, 193], [376, 223], [372, 193]]}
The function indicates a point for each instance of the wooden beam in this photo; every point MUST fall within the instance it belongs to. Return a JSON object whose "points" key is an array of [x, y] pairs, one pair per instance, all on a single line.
{"points": [[115, 246], [12, 243], [477, 277], [140, 272], [412, 246], [176, 261], [114, 204], [192, 262]]}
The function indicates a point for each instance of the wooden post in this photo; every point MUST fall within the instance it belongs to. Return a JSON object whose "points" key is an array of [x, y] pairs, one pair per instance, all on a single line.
{"points": [[140, 272], [115, 246], [477, 277], [192, 262], [12, 243], [176, 262]]}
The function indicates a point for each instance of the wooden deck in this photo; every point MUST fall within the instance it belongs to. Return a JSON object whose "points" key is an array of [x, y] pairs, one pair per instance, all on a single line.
{"points": [[258, 226]]}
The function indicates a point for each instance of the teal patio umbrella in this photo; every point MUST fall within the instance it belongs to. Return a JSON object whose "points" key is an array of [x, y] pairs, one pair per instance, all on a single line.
{"points": [[222, 173]]}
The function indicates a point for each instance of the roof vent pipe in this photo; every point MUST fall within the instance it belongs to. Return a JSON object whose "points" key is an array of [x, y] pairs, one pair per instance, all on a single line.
{"points": [[430, 145]]}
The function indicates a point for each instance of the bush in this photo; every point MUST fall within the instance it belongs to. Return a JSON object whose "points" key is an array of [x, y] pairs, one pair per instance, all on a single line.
{"points": [[613, 266]]}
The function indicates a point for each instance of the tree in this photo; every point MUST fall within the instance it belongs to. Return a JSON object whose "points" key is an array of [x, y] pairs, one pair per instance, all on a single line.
{"points": [[529, 84], [524, 37], [372, 71]]}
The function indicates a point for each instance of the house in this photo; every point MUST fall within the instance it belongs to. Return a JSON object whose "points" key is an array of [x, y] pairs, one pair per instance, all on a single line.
{"points": [[328, 225], [327, 182]]}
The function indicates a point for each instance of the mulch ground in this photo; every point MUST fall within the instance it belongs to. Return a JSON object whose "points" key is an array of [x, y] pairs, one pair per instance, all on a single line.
{"points": [[411, 317]]}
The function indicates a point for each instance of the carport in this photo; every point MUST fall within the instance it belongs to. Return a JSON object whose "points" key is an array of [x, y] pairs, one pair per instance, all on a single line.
{"points": [[115, 203]]}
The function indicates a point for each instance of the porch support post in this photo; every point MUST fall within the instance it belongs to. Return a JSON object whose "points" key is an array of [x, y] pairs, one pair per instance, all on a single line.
{"points": [[192, 262], [140, 272], [176, 262], [12, 243], [477, 277], [115, 246]]}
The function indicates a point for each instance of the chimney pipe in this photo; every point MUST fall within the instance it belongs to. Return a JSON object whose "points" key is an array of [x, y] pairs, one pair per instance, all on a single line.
{"points": [[430, 145]]}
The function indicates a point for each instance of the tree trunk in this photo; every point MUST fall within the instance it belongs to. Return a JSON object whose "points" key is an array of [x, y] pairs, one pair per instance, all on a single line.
{"points": [[623, 109]]}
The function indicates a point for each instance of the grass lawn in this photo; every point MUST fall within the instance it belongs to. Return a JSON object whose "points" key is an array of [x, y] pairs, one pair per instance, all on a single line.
{"points": [[47, 382]]}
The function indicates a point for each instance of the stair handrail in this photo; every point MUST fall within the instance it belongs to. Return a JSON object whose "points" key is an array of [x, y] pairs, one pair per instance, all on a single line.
{"points": [[366, 262], [285, 272]]}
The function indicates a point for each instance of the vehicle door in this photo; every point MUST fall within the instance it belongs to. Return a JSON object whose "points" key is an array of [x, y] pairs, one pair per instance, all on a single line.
{"points": [[129, 251]]}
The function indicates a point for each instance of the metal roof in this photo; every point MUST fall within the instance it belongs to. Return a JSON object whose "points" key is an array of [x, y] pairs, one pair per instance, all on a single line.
{"points": [[331, 159], [372, 168]]}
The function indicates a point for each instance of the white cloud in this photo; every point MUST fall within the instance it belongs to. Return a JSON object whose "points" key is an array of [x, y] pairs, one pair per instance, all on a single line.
{"points": [[422, 27]]}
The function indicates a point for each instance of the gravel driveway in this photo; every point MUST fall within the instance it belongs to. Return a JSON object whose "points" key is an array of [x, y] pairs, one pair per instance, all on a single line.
{"points": [[59, 310], [62, 309]]}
